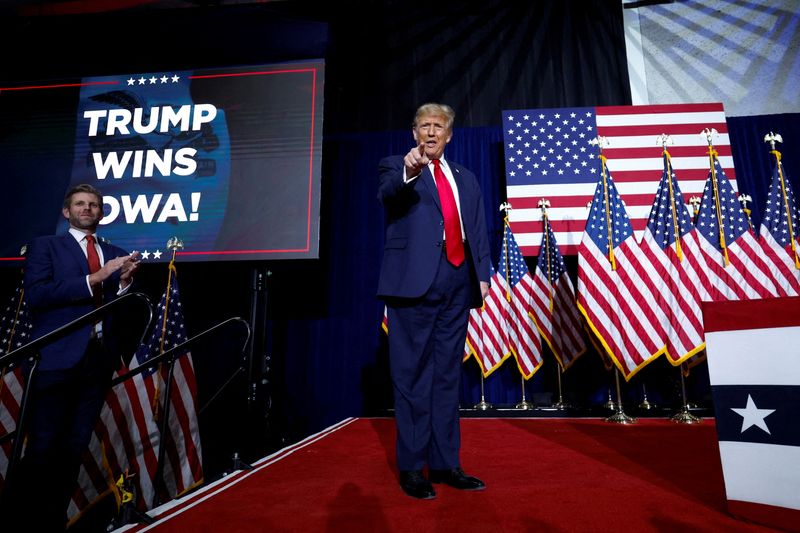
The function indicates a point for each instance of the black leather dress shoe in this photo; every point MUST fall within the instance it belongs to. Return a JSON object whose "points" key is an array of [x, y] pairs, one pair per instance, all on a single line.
{"points": [[415, 485], [456, 478]]}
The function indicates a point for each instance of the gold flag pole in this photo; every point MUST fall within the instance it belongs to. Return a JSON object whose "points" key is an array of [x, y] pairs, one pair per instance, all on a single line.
{"points": [[524, 405], [506, 208], [483, 405], [619, 416], [772, 138], [664, 140], [600, 142], [174, 244], [684, 416], [544, 205], [561, 403], [708, 133]]}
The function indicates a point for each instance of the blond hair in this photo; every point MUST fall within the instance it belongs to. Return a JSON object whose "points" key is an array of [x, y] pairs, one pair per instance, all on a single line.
{"points": [[434, 109]]}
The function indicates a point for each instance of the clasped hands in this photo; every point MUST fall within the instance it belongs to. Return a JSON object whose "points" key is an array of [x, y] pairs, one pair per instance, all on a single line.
{"points": [[126, 264]]}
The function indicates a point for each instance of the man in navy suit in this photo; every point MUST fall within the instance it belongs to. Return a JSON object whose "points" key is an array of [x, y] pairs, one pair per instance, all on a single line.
{"points": [[435, 268], [68, 389]]}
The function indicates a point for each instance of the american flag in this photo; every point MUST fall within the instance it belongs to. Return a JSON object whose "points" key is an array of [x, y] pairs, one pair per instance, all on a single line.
{"points": [[671, 243], [614, 292], [487, 334], [779, 227], [15, 332], [126, 439], [487, 337], [735, 263], [547, 155], [556, 313], [516, 285]]}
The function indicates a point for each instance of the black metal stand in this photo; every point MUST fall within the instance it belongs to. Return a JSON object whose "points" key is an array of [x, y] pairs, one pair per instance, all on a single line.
{"points": [[257, 354], [31, 350], [238, 464], [254, 365]]}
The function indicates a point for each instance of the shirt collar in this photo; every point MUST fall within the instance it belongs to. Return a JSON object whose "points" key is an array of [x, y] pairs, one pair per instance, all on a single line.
{"points": [[79, 235]]}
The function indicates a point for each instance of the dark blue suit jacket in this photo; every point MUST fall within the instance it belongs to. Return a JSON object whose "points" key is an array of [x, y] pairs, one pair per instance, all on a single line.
{"points": [[414, 228], [57, 293]]}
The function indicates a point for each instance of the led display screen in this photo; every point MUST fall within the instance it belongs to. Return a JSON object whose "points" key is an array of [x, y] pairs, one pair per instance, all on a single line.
{"points": [[227, 160]]}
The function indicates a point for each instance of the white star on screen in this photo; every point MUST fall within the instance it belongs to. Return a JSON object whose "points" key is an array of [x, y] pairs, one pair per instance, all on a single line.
{"points": [[753, 416]]}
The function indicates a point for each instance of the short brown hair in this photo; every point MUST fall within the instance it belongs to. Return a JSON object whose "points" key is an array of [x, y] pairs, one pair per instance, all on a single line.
{"points": [[83, 187], [432, 108]]}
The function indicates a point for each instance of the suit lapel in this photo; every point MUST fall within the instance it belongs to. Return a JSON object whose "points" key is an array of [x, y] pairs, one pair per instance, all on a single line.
{"points": [[76, 252], [457, 179], [430, 182], [107, 251]]}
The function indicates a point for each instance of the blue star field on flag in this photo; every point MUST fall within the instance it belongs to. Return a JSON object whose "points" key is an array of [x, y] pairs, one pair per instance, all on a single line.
{"points": [[663, 219], [597, 224], [733, 219], [556, 262], [512, 264], [174, 330], [775, 218], [15, 324]]}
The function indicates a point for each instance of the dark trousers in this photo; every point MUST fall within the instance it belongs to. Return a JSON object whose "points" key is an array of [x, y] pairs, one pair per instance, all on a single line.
{"points": [[64, 408], [426, 347]]}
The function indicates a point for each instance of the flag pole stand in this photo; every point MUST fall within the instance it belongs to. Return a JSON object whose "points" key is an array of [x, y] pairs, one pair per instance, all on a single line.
{"points": [[560, 404], [483, 405], [523, 405], [684, 416], [610, 402], [646, 405], [619, 416], [128, 513], [237, 464]]}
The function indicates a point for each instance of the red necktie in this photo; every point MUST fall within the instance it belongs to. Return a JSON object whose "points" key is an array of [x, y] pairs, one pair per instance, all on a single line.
{"points": [[452, 222], [94, 266]]}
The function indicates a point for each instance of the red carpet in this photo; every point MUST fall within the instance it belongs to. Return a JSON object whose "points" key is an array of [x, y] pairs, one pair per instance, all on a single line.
{"points": [[542, 475]]}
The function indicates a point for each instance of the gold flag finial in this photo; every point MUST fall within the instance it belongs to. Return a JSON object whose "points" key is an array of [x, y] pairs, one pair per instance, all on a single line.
{"points": [[694, 201], [663, 140], [745, 199], [709, 134], [174, 244], [772, 138]]}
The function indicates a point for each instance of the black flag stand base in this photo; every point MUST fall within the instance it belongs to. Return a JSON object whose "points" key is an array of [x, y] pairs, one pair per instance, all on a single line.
{"points": [[128, 513], [238, 464], [131, 515]]}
